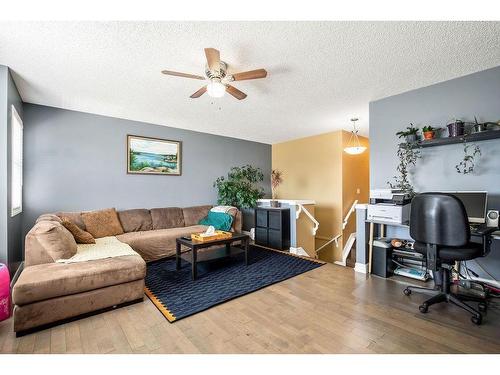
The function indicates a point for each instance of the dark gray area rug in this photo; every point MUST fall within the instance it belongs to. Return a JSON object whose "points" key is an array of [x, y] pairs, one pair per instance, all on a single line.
{"points": [[177, 296]]}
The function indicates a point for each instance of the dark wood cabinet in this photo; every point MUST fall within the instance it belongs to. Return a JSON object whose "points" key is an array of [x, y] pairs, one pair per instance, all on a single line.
{"points": [[272, 227]]}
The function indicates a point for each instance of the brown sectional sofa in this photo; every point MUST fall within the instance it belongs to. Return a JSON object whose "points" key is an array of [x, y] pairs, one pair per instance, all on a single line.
{"points": [[47, 292]]}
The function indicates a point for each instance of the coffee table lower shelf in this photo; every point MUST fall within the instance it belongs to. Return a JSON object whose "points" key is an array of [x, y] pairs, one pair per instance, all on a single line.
{"points": [[194, 246]]}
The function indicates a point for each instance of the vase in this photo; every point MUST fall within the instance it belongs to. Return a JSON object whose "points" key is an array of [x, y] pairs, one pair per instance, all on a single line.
{"points": [[455, 129], [275, 204], [429, 135], [410, 138]]}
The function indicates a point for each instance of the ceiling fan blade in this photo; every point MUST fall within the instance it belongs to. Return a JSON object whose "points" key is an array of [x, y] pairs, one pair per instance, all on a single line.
{"points": [[213, 58], [235, 92], [199, 93], [251, 74], [185, 75]]}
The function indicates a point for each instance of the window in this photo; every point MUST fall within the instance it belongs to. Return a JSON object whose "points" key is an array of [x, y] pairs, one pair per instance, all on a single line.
{"points": [[16, 195]]}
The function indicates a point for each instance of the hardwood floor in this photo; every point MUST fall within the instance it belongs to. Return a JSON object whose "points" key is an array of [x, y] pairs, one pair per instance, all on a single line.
{"points": [[328, 310]]}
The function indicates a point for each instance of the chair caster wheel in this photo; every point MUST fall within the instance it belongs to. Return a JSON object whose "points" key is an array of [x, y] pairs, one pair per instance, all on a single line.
{"points": [[423, 308], [482, 306], [477, 320], [407, 292]]}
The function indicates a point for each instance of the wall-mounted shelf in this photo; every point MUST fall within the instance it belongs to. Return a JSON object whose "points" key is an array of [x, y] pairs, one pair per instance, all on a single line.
{"points": [[474, 137]]}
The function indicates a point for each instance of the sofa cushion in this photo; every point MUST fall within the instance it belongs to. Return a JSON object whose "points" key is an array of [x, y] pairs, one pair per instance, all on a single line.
{"points": [[102, 223], [45, 281], [47, 242], [135, 220], [193, 215], [168, 217], [157, 244], [75, 217], [218, 220], [79, 235], [48, 217], [234, 212]]}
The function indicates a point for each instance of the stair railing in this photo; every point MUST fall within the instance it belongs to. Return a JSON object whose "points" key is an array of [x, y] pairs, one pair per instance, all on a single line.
{"points": [[308, 214], [337, 237]]}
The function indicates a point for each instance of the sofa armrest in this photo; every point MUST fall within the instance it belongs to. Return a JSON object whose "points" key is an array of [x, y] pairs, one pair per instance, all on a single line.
{"points": [[237, 222]]}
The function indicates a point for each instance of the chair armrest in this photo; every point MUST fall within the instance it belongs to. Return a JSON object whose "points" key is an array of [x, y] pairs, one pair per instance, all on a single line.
{"points": [[485, 234], [487, 240]]}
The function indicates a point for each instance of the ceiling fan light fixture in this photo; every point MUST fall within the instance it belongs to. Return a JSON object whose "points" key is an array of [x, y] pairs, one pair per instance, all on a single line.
{"points": [[354, 146], [216, 89]]}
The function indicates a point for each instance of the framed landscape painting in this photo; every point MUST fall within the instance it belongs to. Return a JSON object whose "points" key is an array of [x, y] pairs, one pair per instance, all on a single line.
{"points": [[147, 155]]}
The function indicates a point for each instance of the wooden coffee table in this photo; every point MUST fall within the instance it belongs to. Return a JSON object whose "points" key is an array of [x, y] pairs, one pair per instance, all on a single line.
{"points": [[194, 246]]}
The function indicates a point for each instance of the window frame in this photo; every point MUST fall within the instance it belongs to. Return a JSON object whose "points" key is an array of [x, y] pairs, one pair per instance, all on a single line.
{"points": [[14, 211]]}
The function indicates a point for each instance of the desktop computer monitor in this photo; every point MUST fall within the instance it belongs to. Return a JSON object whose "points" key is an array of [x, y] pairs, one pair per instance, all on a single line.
{"points": [[475, 203]]}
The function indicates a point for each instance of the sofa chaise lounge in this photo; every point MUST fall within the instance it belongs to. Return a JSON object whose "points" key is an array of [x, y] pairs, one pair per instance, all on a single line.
{"points": [[48, 291]]}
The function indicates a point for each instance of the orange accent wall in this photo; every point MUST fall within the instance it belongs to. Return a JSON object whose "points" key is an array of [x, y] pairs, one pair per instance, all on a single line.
{"points": [[317, 168]]}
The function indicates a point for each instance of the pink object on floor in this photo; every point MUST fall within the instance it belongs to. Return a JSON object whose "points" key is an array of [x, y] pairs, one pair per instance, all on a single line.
{"points": [[4, 292]]}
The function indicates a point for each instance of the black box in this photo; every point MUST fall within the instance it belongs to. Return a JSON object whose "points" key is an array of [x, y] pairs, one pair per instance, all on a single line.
{"points": [[382, 257]]}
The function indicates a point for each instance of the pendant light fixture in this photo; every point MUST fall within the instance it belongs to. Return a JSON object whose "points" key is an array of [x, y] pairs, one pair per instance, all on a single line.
{"points": [[353, 146]]}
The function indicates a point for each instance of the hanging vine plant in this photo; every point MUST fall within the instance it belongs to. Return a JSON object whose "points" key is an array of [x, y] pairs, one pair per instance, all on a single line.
{"points": [[408, 154], [471, 153]]}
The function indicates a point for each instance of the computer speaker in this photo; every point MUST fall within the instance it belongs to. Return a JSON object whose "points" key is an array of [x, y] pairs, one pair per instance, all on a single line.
{"points": [[492, 219]]}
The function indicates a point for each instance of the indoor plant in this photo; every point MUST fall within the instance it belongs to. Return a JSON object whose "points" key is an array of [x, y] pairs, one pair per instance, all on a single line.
{"points": [[429, 132], [467, 164], [241, 187], [276, 180], [408, 154], [410, 134]]}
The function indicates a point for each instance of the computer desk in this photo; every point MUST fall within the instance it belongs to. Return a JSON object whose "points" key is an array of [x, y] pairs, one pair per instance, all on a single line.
{"points": [[495, 235]]}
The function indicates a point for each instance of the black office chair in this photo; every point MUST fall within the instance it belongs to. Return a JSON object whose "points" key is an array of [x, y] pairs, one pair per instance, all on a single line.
{"points": [[440, 228]]}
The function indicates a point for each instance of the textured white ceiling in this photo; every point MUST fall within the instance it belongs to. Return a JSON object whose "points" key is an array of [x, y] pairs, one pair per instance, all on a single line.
{"points": [[320, 73]]}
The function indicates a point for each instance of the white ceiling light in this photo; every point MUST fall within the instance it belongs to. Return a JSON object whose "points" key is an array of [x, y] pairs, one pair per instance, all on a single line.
{"points": [[216, 89], [354, 147]]}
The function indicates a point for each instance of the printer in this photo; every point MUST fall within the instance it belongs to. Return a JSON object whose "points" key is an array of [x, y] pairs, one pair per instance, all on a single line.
{"points": [[390, 206]]}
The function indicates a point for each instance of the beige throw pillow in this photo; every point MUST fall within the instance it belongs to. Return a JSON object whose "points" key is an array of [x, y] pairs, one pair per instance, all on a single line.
{"points": [[80, 235], [102, 223]]}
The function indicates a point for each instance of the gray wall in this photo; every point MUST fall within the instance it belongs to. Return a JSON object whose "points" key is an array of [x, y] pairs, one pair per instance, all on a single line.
{"points": [[77, 161], [10, 227], [478, 95]]}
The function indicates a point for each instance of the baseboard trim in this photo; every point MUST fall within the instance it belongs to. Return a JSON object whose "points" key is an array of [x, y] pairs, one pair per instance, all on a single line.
{"points": [[361, 267]]}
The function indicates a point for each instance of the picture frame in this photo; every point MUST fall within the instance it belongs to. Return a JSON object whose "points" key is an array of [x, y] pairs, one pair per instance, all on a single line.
{"points": [[154, 156]]}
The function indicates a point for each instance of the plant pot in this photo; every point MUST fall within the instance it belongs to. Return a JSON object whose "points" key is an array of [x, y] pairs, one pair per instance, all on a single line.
{"points": [[410, 138], [478, 128], [275, 204], [456, 129], [429, 135]]}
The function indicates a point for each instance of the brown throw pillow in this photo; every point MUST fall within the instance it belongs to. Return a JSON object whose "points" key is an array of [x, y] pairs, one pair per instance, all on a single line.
{"points": [[102, 223], [80, 235], [75, 217]]}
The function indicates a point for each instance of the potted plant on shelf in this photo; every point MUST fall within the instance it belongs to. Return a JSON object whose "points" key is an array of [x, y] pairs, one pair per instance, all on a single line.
{"points": [[456, 128], [410, 134], [429, 132], [276, 180]]}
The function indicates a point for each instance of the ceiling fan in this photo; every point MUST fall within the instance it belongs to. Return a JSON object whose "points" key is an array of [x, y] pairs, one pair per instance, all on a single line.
{"points": [[216, 73]]}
